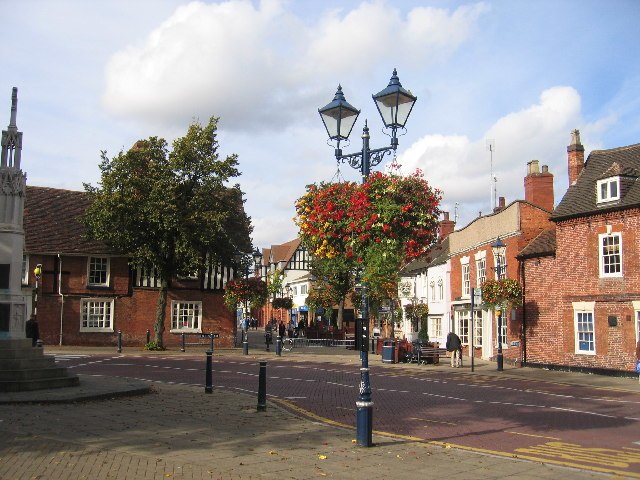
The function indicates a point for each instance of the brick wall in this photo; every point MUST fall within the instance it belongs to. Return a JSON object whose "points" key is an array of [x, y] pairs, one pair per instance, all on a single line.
{"points": [[552, 285], [134, 309]]}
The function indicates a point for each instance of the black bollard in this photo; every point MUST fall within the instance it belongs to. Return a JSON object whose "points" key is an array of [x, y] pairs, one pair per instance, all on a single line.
{"points": [[262, 387], [245, 342], [182, 343], [148, 335], [211, 338], [208, 375], [119, 341], [279, 346]]}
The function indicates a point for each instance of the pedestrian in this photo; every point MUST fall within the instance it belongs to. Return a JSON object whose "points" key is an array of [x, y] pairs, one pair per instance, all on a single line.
{"points": [[281, 329], [454, 345], [32, 331]]}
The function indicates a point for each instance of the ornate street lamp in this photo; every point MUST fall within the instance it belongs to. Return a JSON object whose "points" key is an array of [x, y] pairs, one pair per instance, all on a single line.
{"points": [[394, 104], [499, 249]]}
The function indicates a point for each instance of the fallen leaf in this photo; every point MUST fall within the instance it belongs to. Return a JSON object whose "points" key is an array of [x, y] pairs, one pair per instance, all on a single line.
{"points": [[273, 453], [322, 457]]}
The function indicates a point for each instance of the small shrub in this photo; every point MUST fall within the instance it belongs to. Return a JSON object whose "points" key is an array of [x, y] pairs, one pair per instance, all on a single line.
{"points": [[153, 346]]}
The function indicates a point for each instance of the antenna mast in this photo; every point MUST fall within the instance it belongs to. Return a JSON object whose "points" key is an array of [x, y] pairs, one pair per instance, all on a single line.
{"points": [[493, 201]]}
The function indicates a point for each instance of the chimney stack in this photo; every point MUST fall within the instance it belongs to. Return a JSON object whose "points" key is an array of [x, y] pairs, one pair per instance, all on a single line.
{"points": [[446, 226], [538, 186], [575, 152], [501, 204]]}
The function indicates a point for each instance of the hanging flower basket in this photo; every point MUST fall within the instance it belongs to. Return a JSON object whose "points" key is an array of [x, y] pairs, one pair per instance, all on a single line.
{"points": [[282, 303], [499, 293], [252, 291], [419, 311]]}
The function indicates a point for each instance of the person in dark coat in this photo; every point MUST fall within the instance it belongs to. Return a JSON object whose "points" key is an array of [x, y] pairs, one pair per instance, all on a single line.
{"points": [[32, 331], [454, 345], [281, 330]]}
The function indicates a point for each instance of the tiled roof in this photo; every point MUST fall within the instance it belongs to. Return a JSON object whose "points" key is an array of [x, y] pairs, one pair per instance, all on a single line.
{"points": [[52, 225], [541, 246], [438, 255], [580, 199], [284, 251]]}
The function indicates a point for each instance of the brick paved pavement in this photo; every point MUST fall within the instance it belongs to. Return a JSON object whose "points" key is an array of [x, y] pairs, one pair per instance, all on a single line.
{"points": [[178, 431]]}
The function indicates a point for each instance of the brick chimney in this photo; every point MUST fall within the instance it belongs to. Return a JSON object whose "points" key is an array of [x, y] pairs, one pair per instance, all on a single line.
{"points": [[575, 152], [538, 186], [501, 204], [446, 226]]}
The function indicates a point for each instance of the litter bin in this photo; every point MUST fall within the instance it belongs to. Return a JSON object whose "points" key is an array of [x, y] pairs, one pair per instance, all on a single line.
{"points": [[389, 351]]}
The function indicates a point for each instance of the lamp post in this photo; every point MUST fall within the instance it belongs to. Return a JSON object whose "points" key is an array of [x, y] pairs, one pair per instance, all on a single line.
{"points": [[243, 262], [499, 249], [394, 105]]}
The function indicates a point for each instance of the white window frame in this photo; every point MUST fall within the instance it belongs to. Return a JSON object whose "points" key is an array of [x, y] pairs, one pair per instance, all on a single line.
{"points": [[500, 264], [432, 289], [465, 276], [604, 189], [462, 320], [90, 314], [481, 271], [90, 265], [435, 327], [440, 288], [192, 310], [584, 312], [25, 269], [477, 326], [303, 289], [503, 328], [602, 254]]}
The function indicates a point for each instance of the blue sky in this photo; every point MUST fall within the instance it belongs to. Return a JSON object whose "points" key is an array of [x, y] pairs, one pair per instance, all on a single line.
{"points": [[99, 75]]}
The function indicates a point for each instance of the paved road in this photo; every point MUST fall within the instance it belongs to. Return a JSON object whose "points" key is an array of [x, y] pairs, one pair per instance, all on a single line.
{"points": [[586, 426]]}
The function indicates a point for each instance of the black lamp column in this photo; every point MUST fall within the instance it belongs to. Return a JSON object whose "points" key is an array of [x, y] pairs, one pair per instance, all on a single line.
{"points": [[394, 105], [499, 249]]}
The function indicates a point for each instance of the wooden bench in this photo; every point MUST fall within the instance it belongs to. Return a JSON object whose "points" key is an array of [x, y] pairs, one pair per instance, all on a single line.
{"points": [[431, 353], [423, 354]]}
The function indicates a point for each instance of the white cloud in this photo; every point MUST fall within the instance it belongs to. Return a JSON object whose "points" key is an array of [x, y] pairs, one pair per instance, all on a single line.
{"points": [[258, 66], [461, 166]]}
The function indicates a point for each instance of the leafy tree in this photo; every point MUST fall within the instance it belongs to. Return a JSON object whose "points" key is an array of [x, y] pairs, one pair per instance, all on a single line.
{"points": [[170, 210]]}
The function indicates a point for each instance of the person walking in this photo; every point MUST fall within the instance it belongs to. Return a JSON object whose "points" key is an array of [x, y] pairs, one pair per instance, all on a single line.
{"points": [[282, 330], [32, 331], [454, 345]]}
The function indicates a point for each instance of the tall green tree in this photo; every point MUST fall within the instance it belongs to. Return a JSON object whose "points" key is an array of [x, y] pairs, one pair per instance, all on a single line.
{"points": [[170, 210]]}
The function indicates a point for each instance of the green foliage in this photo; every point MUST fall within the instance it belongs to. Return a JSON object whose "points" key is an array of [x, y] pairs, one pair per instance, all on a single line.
{"points": [[274, 282], [282, 303], [423, 334], [153, 346], [170, 209]]}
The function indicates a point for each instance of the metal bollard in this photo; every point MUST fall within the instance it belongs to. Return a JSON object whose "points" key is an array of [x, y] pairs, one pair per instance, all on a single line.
{"points": [[279, 346], [245, 342], [211, 338], [119, 341], [262, 387], [208, 375], [148, 335], [182, 343]]}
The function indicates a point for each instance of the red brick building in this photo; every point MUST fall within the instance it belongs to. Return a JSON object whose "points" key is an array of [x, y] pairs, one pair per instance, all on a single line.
{"points": [[473, 262], [88, 292], [582, 277]]}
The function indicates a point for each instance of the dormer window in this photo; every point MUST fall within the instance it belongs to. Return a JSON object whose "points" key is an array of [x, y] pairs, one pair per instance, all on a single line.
{"points": [[608, 189]]}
